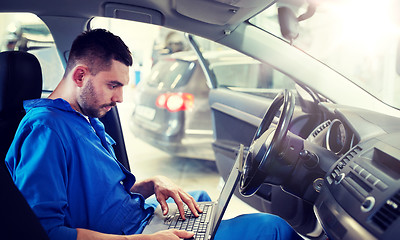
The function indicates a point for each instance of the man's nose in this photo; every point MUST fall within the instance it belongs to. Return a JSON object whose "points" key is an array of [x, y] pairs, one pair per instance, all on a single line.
{"points": [[118, 95]]}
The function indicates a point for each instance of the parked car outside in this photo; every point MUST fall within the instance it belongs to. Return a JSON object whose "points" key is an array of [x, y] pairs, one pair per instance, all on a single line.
{"points": [[171, 108]]}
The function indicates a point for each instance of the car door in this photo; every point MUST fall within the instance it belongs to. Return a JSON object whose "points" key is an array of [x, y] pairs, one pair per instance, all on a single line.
{"points": [[241, 92]]}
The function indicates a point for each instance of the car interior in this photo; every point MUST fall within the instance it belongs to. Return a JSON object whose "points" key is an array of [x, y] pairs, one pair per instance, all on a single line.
{"points": [[330, 170], [18, 69]]}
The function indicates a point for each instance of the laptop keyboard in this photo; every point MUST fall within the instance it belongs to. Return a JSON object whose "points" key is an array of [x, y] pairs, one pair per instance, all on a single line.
{"points": [[198, 225]]}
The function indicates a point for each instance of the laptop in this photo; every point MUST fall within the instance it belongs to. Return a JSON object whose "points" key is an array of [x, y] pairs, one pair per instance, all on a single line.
{"points": [[209, 220]]}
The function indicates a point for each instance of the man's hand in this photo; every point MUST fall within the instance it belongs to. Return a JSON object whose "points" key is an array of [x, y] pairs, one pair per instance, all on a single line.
{"points": [[164, 188], [172, 234]]}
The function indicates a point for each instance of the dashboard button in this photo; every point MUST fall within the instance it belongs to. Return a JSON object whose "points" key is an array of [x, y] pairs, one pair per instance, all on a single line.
{"points": [[358, 169], [381, 185], [353, 165], [364, 173], [372, 179], [329, 179]]}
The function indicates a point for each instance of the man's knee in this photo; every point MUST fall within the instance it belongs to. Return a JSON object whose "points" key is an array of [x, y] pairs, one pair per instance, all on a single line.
{"points": [[269, 219], [260, 225], [200, 196], [277, 226]]}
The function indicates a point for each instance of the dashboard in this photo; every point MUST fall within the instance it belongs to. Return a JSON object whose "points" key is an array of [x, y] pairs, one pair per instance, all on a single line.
{"points": [[360, 196]]}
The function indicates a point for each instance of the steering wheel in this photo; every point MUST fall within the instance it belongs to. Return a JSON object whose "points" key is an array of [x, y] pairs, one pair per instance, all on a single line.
{"points": [[263, 163]]}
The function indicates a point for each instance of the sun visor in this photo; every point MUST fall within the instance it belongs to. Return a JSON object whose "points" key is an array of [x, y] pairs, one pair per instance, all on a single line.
{"points": [[133, 13], [245, 3], [221, 12]]}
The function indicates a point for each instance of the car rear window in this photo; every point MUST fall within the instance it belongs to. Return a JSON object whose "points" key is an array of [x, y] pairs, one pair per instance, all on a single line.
{"points": [[170, 74], [27, 32]]}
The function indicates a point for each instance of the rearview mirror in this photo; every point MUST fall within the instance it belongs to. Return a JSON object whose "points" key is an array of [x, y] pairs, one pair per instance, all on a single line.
{"points": [[289, 23]]}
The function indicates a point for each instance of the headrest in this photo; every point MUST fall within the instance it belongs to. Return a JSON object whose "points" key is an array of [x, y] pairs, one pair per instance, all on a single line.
{"points": [[20, 79]]}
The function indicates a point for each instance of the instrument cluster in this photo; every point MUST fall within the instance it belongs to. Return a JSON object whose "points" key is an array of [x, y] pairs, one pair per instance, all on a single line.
{"points": [[339, 139]]}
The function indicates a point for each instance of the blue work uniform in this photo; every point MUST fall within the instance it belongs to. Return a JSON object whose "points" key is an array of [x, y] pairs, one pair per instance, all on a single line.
{"points": [[66, 169], [64, 165]]}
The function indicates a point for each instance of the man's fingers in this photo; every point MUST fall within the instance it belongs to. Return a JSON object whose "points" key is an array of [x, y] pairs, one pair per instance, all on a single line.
{"points": [[163, 204], [164, 207], [172, 234], [165, 189], [183, 234], [191, 203], [196, 205], [180, 206]]}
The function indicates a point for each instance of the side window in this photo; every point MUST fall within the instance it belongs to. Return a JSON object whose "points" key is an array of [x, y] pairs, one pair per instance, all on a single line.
{"points": [[27, 32], [238, 72]]}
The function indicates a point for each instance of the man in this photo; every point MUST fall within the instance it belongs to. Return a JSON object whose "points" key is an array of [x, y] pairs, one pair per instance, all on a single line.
{"points": [[62, 160]]}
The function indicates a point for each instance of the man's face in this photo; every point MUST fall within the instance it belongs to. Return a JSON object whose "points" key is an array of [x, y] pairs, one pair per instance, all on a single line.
{"points": [[104, 90]]}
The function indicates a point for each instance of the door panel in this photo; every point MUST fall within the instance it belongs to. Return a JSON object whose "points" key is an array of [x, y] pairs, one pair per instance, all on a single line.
{"points": [[235, 117]]}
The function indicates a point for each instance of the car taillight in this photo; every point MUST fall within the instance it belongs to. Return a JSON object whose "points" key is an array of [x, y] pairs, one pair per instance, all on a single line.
{"points": [[175, 102]]}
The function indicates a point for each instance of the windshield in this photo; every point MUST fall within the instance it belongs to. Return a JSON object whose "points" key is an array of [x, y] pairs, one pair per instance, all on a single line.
{"points": [[359, 39]]}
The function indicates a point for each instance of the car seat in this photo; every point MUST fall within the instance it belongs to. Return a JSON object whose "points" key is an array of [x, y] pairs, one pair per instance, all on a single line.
{"points": [[20, 79], [113, 127]]}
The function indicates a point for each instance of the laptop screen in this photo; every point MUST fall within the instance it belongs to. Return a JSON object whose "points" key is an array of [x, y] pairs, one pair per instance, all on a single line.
{"points": [[227, 191]]}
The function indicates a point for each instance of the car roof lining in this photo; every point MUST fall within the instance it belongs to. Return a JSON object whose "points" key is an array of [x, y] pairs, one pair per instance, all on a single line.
{"points": [[212, 19], [220, 12]]}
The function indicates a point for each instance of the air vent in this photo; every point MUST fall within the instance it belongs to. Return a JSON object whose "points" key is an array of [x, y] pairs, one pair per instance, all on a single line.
{"points": [[321, 127], [343, 162], [388, 213], [351, 154]]}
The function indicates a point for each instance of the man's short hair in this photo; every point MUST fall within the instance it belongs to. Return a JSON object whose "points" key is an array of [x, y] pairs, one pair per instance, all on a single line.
{"points": [[96, 49]]}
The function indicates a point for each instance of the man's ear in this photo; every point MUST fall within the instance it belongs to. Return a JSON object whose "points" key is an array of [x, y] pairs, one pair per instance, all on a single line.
{"points": [[79, 74]]}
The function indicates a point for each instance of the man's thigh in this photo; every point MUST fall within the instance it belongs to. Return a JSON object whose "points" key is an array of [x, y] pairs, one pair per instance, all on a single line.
{"points": [[255, 226]]}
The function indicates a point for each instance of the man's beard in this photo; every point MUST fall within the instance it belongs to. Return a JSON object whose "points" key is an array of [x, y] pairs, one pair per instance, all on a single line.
{"points": [[88, 102]]}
